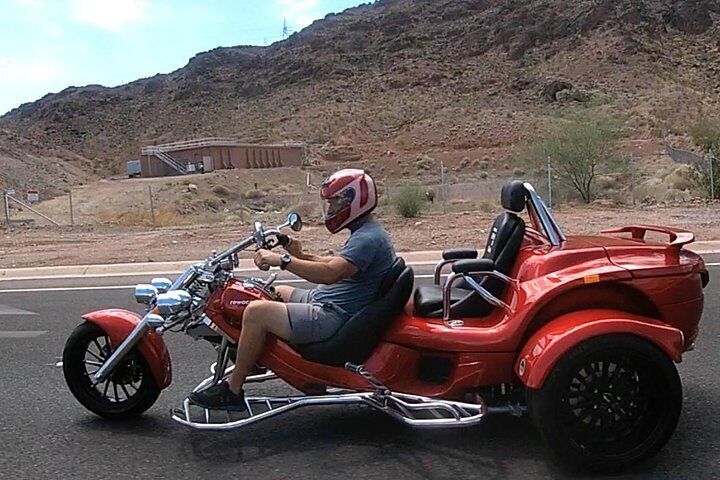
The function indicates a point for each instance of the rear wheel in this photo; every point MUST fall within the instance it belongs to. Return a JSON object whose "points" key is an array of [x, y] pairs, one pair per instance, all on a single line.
{"points": [[127, 392], [609, 402]]}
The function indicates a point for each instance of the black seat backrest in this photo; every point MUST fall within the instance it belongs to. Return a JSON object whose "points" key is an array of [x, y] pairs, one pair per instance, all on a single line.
{"points": [[391, 277], [503, 244], [356, 340]]}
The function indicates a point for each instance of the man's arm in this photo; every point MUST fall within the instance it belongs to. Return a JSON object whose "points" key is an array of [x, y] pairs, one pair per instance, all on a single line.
{"points": [[326, 272], [294, 248], [312, 258]]}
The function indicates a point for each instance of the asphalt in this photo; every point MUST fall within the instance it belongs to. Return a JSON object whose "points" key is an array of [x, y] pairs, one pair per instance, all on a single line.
{"points": [[45, 433]]}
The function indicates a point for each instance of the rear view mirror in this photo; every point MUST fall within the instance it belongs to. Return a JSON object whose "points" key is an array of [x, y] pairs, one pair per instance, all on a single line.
{"points": [[295, 222]]}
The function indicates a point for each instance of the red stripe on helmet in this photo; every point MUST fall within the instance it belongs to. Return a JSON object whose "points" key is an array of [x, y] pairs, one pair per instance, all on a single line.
{"points": [[334, 184], [363, 192]]}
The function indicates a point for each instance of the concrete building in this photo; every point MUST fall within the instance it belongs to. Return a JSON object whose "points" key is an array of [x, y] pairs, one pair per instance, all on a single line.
{"points": [[208, 154]]}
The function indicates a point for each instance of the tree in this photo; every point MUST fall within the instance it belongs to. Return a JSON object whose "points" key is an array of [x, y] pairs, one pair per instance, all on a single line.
{"points": [[576, 148], [706, 175]]}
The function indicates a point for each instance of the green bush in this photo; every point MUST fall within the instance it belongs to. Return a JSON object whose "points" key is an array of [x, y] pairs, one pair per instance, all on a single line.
{"points": [[577, 148], [706, 134], [409, 200]]}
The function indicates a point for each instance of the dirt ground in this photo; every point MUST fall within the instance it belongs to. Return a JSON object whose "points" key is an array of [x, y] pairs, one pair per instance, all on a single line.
{"points": [[48, 246]]}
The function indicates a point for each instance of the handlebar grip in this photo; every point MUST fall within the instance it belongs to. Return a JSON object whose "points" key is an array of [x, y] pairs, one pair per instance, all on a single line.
{"points": [[264, 267], [284, 240]]}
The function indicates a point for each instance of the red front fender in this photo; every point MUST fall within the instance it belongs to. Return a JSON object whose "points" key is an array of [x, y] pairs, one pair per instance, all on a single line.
{"points": [[118, 324], [548, 344]]}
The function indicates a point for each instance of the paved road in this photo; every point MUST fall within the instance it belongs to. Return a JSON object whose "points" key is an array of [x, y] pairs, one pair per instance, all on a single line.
{"points": [[44, 433]]}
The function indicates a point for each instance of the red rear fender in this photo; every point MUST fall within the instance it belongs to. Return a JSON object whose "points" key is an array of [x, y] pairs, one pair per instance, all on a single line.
{"points": [[118, 324], [553, 340]]}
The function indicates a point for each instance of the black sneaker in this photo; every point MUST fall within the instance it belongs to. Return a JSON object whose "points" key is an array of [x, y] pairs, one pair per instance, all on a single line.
{"points": [[219, 397]]}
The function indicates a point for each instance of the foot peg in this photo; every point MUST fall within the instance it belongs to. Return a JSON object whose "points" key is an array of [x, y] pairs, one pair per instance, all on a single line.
{"points": [[374, 382]]}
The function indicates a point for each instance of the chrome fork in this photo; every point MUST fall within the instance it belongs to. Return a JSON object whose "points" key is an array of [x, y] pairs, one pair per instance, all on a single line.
{"points": [[149, 321]]}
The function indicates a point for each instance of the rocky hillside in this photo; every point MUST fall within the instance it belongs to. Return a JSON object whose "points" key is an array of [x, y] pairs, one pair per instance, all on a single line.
{"points": [[406, 75]]}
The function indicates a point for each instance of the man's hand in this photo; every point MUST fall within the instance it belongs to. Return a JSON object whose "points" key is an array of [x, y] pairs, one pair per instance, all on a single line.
{"points": [[266, 257]]}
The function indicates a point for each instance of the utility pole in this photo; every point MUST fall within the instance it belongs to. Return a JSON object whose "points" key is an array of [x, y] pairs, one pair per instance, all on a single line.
{"points": [[549, 180], [443, 188], [286, 31], [72, 219], [152, 205], [632, 178], [712, 176], [6, 207]]}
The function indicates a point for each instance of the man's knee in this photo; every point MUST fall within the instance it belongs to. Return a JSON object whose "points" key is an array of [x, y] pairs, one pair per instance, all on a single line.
{"points": [[255, 313]]}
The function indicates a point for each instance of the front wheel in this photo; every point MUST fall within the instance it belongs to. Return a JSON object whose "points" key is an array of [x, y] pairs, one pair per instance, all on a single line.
{"points": [[127, 392], [608, 403]]}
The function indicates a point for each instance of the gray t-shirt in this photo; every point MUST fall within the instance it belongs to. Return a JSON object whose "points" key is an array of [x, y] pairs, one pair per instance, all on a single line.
{"points": [[370, 249]]}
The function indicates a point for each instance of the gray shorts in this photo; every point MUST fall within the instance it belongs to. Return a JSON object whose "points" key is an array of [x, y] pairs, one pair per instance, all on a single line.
{"points": [[311, 322]]}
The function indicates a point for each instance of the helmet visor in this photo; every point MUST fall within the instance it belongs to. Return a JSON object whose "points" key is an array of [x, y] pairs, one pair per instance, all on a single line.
{"points": [[336, 204]]}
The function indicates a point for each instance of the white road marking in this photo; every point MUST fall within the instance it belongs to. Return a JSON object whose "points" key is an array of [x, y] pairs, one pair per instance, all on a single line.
{"points": [[8, 310], [127, 287], [143, 274], [22, 334]]}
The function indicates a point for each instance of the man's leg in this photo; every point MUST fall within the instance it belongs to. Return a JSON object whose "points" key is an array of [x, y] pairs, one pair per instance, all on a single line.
{"points": [[285, 292], [259, 319]]}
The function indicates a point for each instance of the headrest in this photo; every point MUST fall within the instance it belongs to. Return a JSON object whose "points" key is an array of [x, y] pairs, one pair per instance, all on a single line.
{"points": [[392, 275], [512, 196]]}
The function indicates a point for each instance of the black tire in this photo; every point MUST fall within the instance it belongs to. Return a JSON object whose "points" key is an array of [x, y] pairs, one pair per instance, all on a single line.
{"points": [[128, 392], [609, 402]]}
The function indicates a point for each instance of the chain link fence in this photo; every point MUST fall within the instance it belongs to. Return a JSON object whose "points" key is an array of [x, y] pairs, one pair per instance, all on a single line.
{"points": [[465, 187], [624, 182]]}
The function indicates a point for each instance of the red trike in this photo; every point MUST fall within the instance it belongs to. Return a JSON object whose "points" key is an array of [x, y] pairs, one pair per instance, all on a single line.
{"points": [[580, 332]]}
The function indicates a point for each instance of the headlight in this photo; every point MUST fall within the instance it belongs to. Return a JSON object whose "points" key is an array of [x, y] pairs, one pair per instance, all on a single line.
{"points": [[173, 302], [162, 284], [145, 293]]}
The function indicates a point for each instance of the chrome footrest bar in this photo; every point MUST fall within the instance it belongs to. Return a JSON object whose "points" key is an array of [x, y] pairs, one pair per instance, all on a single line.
{"points": [[413, 410], [210, 381]]}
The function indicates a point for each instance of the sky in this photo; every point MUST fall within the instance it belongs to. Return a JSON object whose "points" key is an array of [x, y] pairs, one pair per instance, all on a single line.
{"points": [[48, 45]]}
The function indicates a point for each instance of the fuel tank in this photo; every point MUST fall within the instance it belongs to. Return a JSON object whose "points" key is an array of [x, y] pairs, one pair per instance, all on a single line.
{"points": [[225, 306]]}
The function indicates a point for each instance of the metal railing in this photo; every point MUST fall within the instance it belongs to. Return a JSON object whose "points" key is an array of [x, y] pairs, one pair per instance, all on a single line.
{"points": [[212, 141], [170, 161]]}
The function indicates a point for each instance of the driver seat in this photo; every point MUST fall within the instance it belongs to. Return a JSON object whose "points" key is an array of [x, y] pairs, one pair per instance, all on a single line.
{"points": [[356, 340], [502, 247]]}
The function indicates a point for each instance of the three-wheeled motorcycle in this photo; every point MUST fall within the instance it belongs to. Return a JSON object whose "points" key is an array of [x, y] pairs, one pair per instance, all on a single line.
{"points": [[581, 332]]}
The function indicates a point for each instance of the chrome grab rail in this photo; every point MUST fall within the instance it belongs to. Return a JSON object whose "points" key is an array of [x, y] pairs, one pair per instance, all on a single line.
{"points": [[489, 297], [439, 267]]}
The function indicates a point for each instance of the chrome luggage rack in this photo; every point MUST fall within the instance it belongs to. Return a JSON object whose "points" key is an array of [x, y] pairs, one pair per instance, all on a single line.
{"points": [[413, 410]]}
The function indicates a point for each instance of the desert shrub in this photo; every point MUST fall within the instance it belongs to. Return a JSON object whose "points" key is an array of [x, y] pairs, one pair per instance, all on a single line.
{"points": [[254, 194], [706, 175], [706, 133], [221, 191], [409, 200], [577, 148], [212, 204], [308, 211], [163, 218]]}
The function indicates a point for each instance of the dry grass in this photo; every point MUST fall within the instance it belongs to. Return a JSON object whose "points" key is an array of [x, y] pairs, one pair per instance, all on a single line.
{"points": [[143, 218]]}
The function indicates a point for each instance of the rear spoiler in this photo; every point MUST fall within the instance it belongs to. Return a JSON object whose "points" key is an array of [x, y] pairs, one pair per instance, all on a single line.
{"points": [[678, 237]]}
